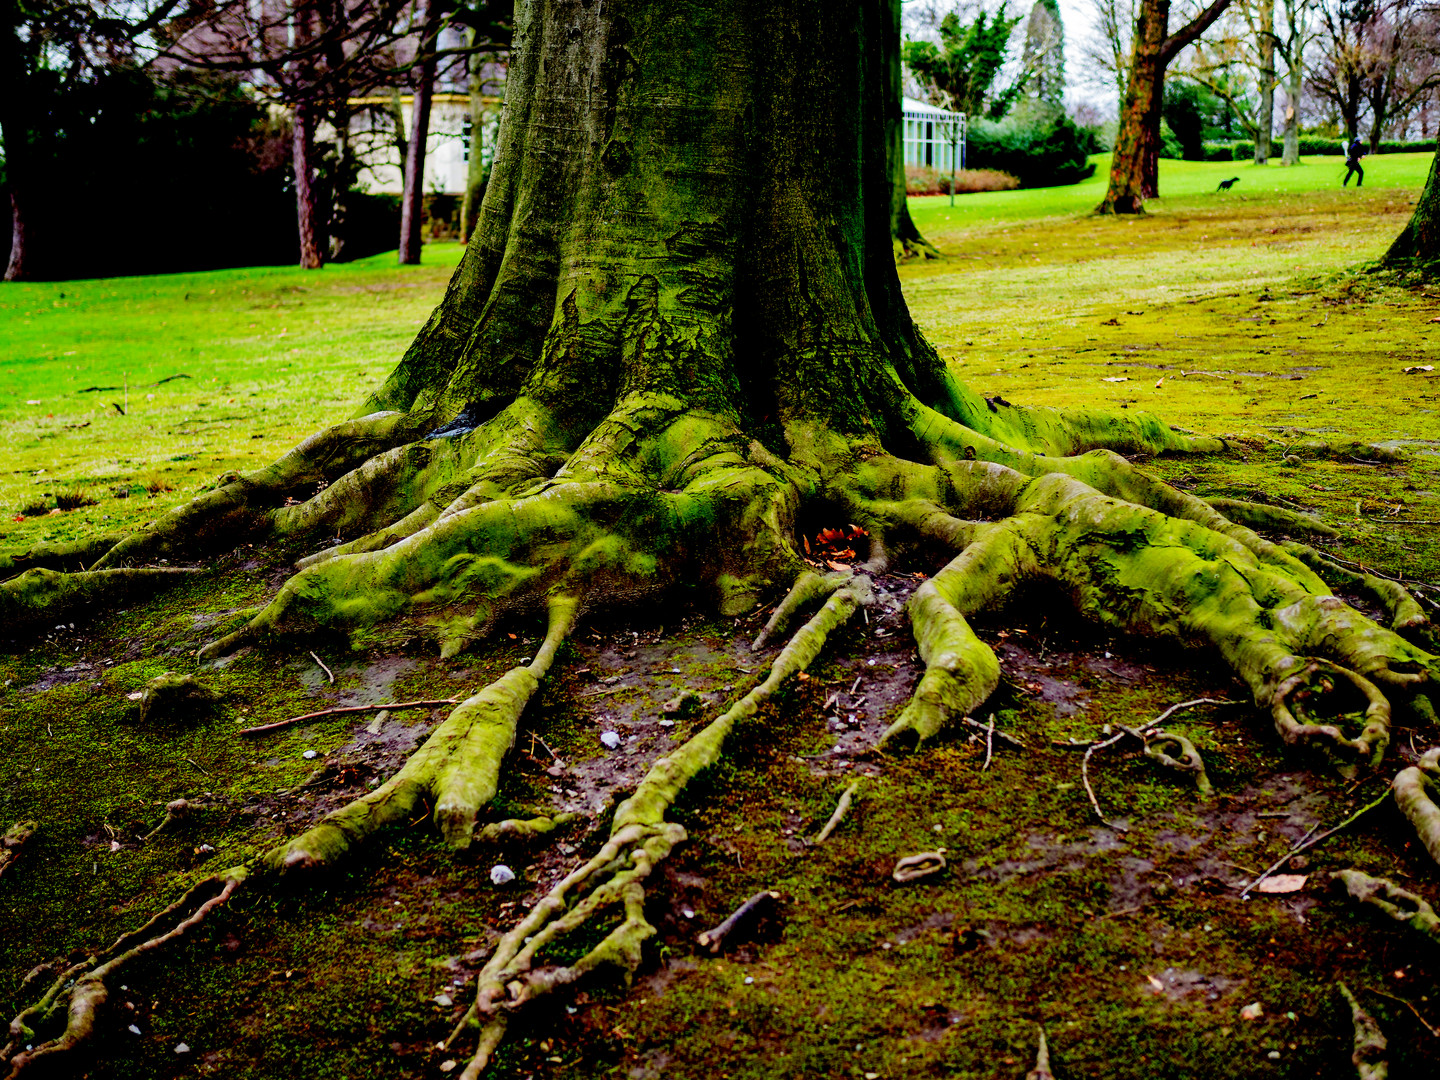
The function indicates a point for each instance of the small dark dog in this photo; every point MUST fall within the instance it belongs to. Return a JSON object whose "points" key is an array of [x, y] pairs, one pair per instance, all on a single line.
{"points": [[1226, 185]]}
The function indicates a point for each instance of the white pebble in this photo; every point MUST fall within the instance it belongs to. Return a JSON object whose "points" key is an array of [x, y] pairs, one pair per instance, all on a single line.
{"points": [[687, 912], [444, 1000], [134, 1030], [500, 874], [611, 739], [182, 1048], [309, 755], [1273, 1055], [749, 979]]}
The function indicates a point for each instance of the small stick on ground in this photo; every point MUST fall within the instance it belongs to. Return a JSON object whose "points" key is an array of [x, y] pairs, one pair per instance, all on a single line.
{"points": [[391, 705], [1411, 1006], [999, 734], [1189, 705], [1370, 1045], [330, 674], [841, 808], [989, 743], [714, 938], [1310, 840], [1042, 1061], [1085, 777]]}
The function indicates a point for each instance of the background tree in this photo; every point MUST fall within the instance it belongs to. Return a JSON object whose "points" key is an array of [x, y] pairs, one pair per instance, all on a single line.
{"points": [[49, 50], [1292, 40], [1108, 49], [1135, 163], [960, 72], [669, 344], [1419, 245], [1236, 62], [1043, 58]]}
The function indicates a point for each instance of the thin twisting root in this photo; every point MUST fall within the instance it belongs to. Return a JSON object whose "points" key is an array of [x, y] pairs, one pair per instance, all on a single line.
{"points": [[1370, 1044], [1177, 752], [639, 839], [1412, 795], [1402, 905]]}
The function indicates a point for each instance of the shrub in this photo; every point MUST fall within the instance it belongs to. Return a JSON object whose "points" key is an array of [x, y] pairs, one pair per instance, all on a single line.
{"points": [[1040, 151], [920, 180], [1217, 152], [1242, 151], [35, 508], [1396, 146], [1315, 144], [1170, 143]]}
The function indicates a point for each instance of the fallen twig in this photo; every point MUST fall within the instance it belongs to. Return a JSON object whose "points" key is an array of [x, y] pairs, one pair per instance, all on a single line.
{"points": [[714, 938], [989, 742], [1011, 739], [392, 705], [841, 808], [1085, 775], [1189, 705], [323, 667], [1310, 840], [1409, 1005]]}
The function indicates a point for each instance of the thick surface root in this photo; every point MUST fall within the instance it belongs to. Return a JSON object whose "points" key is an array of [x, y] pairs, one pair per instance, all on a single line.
{"points": [[1369, 1056], [1412, 796], [1402, 905]]}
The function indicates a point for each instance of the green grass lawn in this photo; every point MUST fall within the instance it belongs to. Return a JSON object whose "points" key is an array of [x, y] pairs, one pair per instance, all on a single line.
{"points": [[1180, 182], [270, 353]]}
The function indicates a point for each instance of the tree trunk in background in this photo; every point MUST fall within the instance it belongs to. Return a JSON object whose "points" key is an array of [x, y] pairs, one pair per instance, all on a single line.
{"points": [[15, 267], [1265, 115], [307, 214], [412, 203], [903, 232], [1135, 164], [1294, 81], [1420, 242], [476, 173]]}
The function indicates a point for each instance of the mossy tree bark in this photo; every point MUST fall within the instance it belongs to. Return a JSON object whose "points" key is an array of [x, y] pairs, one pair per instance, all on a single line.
{"points": [[678, 328], [1419, 244], [1135, 164]]}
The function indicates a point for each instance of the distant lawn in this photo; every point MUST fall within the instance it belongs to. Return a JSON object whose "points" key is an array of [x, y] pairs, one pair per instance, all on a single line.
{"points": [[1179, 181], [270, 354]]}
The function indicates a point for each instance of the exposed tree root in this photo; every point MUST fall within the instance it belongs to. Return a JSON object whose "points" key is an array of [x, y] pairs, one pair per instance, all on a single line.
{"points": [[1370, 1045], [842, 807], [1177, 752], [1042, 1060], [550, 506], [1412, 795], [14, 839], [1402, 905], [41, 596]]}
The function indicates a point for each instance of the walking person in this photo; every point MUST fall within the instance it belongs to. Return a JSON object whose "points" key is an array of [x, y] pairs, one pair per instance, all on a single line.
{"points": [[1353, 154]]}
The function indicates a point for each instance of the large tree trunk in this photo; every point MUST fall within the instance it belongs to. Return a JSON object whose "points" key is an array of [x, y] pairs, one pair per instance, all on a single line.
{"points": [[15, 268], [412, 203], [1265, 115], [1294, 83], [1420, 242], [676, 335], [1135, 163], [307, 210]]}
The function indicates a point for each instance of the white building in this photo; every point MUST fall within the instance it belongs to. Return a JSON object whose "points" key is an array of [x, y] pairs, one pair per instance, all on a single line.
{"points": [[447, 150], [934, 138]]}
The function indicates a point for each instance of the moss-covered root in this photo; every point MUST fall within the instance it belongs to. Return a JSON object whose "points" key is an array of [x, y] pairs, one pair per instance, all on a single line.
{"points": [[1404, 610], [457, 769], [1177, 752], [14, 839], [1042, 1060], [640, 838], [1412, 795], [1288, 711], [961, 671], [68, 557], [45, 596], [81, 990], [1277, 518], [1402, 905], [809, 589], [1370, 1045]]}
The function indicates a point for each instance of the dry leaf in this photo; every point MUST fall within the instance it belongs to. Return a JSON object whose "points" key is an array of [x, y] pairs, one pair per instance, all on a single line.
{"points": [[1283, 883], [1253, 1011], [1116, 378], [836, 565], [1159, 382], [1417, 367], [1156, 983]]}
